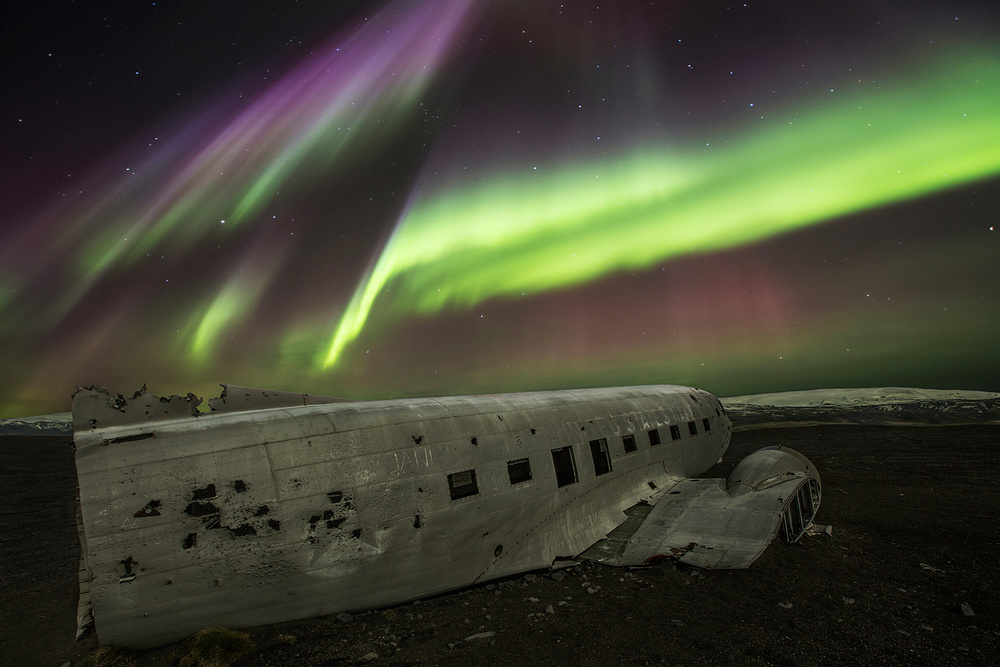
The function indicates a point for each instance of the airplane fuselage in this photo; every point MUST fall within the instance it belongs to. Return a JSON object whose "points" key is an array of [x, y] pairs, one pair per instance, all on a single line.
{"points": [[273, 514]]}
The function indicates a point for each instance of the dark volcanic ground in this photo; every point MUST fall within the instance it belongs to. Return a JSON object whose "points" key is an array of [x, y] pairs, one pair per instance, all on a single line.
{"points": [[915, 529]]}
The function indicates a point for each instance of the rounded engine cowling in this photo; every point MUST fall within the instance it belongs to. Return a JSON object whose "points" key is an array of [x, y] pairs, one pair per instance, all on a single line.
{"points": [[767, 467], [790, 476]]}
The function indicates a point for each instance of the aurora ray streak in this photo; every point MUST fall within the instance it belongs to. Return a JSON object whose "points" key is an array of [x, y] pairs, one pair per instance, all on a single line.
{"points": [[525, 233]]}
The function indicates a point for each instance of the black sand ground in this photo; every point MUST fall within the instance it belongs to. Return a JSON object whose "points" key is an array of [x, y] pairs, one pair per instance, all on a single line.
{"points": [[915, 534]]}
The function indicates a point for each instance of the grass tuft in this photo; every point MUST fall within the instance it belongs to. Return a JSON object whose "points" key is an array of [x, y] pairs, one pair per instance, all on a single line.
{"points": [[216, 647], [110, 656]]}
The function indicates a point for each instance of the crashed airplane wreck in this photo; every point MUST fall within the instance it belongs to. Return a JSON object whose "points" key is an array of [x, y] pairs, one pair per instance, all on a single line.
{"points": [[276, 506]]}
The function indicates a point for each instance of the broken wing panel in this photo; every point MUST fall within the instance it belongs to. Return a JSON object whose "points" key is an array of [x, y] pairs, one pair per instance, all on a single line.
{"points": [[716, 523], [240, 399], [707, 528]]}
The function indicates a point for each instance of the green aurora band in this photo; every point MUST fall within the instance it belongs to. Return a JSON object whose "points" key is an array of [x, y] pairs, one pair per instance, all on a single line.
{"points": [[521, 233]]}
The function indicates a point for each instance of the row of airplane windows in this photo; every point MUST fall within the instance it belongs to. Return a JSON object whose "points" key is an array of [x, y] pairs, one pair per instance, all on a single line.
{"points": [[463, 484]]}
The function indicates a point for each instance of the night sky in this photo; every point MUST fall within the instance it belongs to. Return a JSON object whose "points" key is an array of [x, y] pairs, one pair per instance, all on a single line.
{"points": [[384, 199]]}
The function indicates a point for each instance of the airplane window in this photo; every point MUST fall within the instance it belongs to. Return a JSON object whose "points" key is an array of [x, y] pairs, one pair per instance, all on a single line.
{"points": [[602, 460], [629, 442], [706, 424], [565, 466], [675, 432], [463, 484], [654, 437], [693, 428], [519, 471]]}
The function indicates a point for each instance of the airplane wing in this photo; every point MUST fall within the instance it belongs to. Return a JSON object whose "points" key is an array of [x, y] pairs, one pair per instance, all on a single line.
{"points": [[719, 523]]}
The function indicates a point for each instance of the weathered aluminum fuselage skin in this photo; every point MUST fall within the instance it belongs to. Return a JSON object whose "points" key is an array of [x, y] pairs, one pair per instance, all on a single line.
{"points": [[265, 515]]}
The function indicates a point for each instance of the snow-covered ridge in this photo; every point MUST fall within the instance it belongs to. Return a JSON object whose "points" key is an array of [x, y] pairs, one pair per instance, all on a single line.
{"points": [[867, 406], [858, 396], [60, 423]]}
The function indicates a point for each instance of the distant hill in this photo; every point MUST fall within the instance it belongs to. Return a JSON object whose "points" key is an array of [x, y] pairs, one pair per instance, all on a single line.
{"points": [[876, 405], [60, 423]]}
